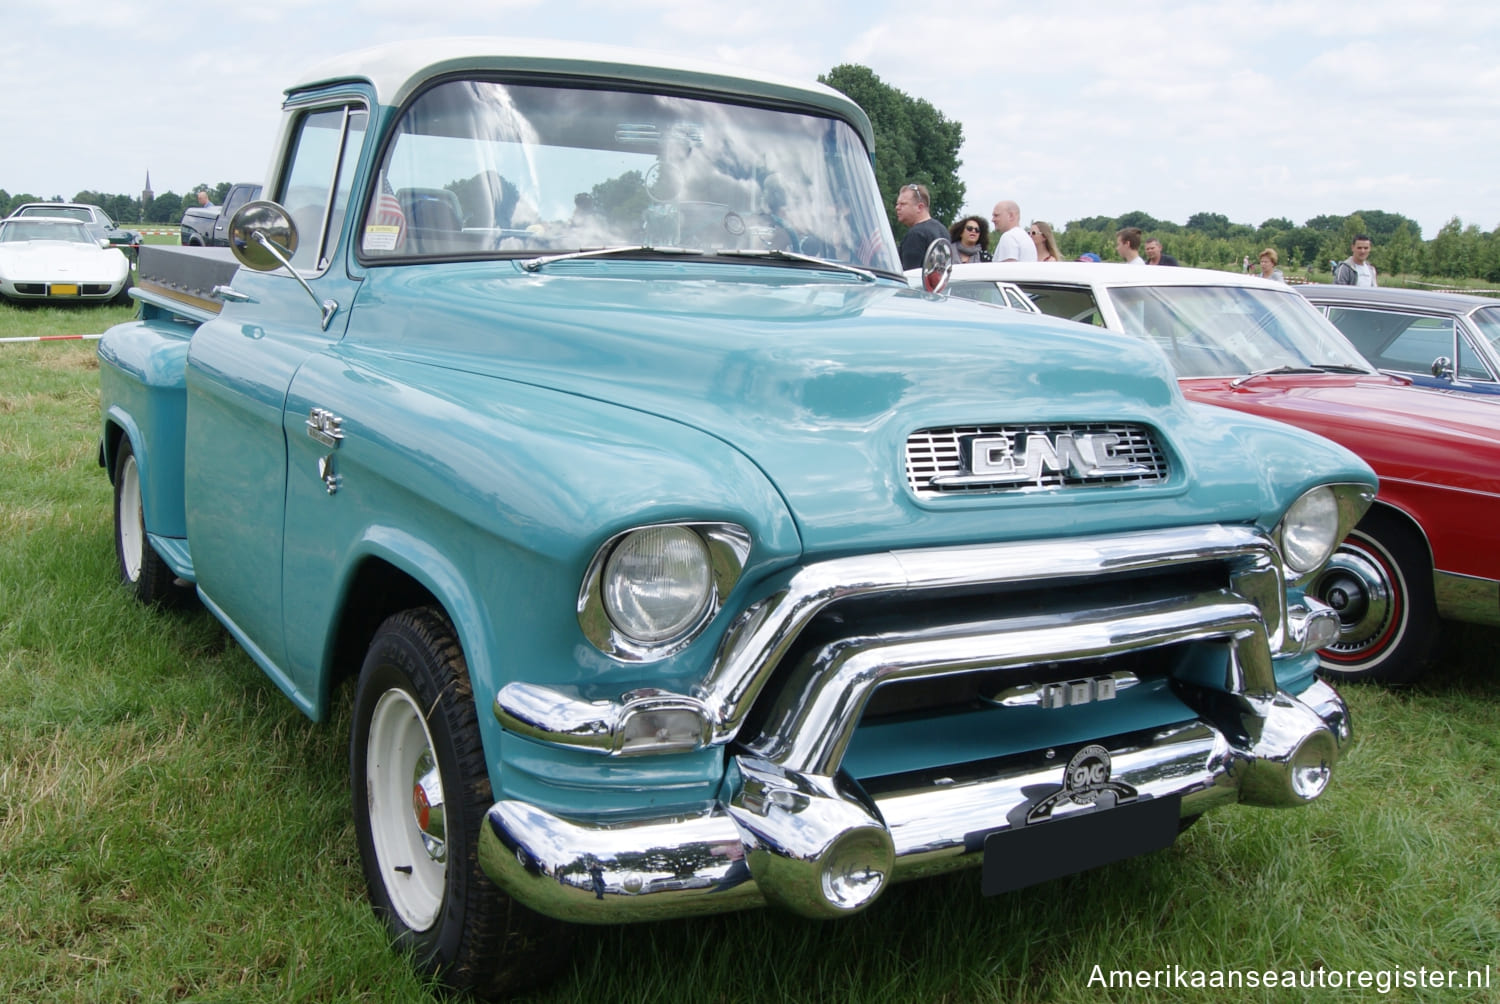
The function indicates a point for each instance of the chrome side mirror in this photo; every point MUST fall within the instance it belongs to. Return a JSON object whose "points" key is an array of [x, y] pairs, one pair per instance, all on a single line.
{"points": [[264, 238], [1442, 368], [937, 266]]}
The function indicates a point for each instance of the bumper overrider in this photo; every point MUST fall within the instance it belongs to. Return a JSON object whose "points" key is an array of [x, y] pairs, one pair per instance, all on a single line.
{"points": [[796, 830]]}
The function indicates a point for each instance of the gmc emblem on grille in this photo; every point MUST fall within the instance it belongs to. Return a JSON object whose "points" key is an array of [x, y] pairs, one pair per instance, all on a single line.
{"points": [[1085, 455]]}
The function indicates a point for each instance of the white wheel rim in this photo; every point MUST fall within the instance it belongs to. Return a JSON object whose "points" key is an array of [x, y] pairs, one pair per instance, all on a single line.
{"points": [[132, 522], [399, 761]]}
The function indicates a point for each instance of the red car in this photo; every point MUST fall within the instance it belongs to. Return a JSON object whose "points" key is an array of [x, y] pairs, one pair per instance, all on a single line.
{"points": [[1429, 548]]}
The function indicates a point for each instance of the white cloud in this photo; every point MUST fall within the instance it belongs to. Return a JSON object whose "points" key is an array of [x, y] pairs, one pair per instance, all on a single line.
{"points": [[1253, 110]]}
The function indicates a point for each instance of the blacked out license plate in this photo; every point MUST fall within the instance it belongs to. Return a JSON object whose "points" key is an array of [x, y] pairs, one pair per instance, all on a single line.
{"points": [[1023, 856]]}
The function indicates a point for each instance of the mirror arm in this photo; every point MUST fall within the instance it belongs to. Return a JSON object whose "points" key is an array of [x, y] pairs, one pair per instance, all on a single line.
{"points": [[328, 307]]}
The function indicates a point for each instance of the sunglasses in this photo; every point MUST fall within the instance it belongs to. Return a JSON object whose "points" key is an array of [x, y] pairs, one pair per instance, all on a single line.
{"points": [[971, 229], [1034, 233]]}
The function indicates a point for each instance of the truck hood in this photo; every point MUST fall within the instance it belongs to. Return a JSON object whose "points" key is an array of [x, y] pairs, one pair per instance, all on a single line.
{"points": [[817, 379]]}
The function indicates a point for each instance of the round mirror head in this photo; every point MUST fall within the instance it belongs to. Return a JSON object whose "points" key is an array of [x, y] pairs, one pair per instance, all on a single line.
{"points": [[937, 265], [260, 219]]}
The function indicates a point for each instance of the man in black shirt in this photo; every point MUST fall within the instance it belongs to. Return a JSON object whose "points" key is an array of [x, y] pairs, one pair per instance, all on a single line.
{"points": [[1154, 254], [911, 211]]}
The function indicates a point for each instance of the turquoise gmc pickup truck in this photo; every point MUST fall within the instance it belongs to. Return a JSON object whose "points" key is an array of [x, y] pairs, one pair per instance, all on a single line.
{"points": [[571, 404]]}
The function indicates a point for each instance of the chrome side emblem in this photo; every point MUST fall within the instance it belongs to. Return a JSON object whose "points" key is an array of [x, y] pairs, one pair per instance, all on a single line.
{"points": [[1064, 695], [1086, 781], [993, 460], [325, 427]]}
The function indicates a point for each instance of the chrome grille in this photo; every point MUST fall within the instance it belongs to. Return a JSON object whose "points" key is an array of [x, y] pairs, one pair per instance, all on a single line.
{"points": [[940, 454]]}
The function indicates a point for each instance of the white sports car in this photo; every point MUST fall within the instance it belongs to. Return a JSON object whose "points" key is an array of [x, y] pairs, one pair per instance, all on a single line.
{"points": [[56, 260]]}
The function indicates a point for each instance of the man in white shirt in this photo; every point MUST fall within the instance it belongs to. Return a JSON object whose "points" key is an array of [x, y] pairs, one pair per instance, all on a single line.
{"points": [[1128, 245], [1014, 244], [1356, 269]]}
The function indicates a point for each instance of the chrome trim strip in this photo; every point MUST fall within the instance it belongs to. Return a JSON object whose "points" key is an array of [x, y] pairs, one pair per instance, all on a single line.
{"points": [[1466, 598]]}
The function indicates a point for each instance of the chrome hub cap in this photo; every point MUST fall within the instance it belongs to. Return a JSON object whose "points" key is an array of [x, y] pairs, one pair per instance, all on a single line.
{"points": [[1357, 586]]}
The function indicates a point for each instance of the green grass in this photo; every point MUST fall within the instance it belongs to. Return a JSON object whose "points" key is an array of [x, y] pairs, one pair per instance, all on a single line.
{"points": [[172, 829]]}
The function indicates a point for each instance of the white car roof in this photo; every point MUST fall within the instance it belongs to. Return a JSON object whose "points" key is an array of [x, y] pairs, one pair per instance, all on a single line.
{"points": [[398, 69], [1105, 274]]}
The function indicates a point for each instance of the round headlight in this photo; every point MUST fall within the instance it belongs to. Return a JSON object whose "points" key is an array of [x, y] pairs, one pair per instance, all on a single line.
{"points": [[657, 583], [1309, 530]]}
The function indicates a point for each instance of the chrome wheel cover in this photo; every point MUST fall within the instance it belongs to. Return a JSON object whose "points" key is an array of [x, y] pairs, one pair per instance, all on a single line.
{"points": [[1357, 584], [407, 816]]}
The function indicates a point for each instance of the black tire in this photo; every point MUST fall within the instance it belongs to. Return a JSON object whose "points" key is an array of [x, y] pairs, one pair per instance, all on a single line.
{"points": [[1380, 582], [415, 735], [140, 566], [122, 298]]}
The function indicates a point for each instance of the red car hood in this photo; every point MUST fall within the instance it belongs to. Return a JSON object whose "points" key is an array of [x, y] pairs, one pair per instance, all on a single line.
{"points": [[1404, 432]]}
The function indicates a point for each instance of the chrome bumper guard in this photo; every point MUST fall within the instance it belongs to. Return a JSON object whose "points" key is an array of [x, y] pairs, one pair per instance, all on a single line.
{"points": [[796, 831], [820, 847]]}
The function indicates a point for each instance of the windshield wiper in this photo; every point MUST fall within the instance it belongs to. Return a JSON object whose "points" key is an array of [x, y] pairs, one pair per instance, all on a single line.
{"points": [[1272, 371], [776, 254], [532, 264]]}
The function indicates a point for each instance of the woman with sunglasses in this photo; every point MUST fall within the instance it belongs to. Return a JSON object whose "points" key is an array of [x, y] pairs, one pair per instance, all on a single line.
{"points": [[971, 240], [1045, 241]]}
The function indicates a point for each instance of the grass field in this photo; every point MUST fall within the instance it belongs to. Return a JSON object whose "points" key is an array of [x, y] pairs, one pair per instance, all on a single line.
{"points": [[172, 829]]}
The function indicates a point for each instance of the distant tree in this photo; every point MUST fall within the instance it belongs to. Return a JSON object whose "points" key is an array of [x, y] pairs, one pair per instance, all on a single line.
{"points": [[1136, 218], [165, 208], [1276, 224], [1210, 224], [1095, 224], [1301, 244], [1325, 224], [1381, 226], [914, 142]]}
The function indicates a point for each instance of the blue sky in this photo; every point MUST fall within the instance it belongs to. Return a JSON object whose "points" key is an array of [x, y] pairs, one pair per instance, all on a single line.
{"points": [[1253, 110]]}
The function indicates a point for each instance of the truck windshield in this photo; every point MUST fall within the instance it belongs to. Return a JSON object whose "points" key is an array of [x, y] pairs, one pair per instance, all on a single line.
{"points": [[494, 169]]}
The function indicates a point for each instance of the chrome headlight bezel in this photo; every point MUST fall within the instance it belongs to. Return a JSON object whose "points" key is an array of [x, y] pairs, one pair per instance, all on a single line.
{"points": [[726, 549], [1312, 527]]}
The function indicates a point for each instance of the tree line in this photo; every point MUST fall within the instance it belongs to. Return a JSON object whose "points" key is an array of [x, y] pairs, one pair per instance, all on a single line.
{"points": [[126, 210]]}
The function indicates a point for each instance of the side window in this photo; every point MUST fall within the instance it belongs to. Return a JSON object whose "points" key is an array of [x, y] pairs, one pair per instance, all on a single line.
{"points": [[315, 188], [1071, 303], [1403, 342], [984, 292], [1470, 365]]}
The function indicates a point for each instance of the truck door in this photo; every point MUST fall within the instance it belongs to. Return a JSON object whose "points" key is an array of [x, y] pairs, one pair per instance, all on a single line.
{"points": [[240, 366]]}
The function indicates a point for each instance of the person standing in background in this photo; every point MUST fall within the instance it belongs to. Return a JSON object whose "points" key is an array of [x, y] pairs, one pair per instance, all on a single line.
{"points": [[1155, 255], [1044, 240], [971, 240], [911, 212], [1356, 269], [1014, 244], [1128, 245]]}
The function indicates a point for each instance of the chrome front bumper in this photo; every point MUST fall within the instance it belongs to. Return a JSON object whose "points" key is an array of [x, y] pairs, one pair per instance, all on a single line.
{"points": [[813, 844], [793, 828]]}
